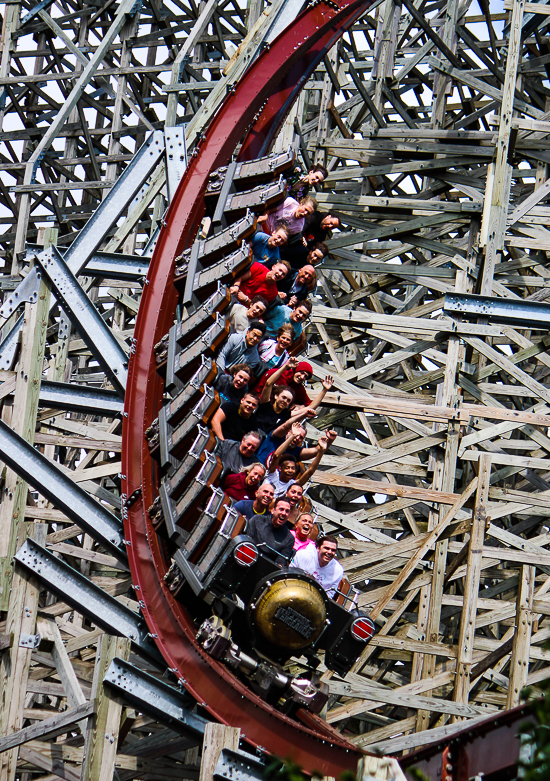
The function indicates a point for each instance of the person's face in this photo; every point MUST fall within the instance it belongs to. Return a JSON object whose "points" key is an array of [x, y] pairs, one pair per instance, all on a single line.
{"points": [[303, 527], [254, 475], [255, 311], [265, 494], [306, 274], [315, 256], [294, 494], [315, 177], [277, 239], [249, 445], [283, 400], [253, 336], [329, 222], [326, 553], [240, 379], [284, 340], [248, 405], [299, 315], [303, 210], [278, 272], [288, 469], [300, 377], [300, 438], [279, 515]]}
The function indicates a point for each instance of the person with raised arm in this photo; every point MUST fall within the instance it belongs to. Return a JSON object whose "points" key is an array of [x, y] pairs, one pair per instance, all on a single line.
{"points": [[283, 467], [293, 374]]}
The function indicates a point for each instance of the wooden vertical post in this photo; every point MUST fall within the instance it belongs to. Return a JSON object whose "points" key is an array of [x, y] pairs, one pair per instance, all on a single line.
{"points": [[27, 392], [216, 738], [15, 662], [519, 663], [471, 583], [102, 734]]}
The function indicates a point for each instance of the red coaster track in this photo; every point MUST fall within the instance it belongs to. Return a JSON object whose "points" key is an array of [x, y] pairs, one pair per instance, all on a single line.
{"points": [[253, 111]]}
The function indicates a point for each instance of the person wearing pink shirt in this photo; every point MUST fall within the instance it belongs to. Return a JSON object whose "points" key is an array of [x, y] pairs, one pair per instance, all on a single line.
{"points": [[301, 531]]}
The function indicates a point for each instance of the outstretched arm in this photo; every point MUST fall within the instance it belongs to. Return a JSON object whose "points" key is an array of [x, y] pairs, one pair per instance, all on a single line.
{"points": [[274, 378], [291, 439], [309, 452], [322, 445], [327, 385], [305, 412]]}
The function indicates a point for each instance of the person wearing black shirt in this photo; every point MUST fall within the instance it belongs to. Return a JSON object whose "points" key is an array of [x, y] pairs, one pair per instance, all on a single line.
{"points": [[234, 385], [300, 255], [319, 226], [273, 531], [234, 419], [273, 412]]}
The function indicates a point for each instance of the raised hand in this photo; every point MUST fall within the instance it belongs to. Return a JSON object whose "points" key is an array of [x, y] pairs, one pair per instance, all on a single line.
{"points": [[331, 435], [322, 443], [328, 382], [292, 363]]}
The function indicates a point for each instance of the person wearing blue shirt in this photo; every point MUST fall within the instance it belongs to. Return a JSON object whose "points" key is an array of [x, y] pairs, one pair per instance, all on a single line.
{"points": [[265, 248], [277, 316]]}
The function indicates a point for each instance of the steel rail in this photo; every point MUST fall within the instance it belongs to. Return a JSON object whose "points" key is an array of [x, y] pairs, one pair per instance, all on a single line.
{"points": [[256, 106]]}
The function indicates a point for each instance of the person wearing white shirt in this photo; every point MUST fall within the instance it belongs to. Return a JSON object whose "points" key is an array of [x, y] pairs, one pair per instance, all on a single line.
{"points": [[320, 562]]}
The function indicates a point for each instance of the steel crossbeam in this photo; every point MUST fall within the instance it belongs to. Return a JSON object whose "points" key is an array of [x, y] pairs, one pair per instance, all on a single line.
{"points": [[58, 488]]}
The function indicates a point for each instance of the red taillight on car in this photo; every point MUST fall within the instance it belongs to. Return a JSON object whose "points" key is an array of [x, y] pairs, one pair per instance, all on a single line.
{"points": [[362, 629], [245, 554]]}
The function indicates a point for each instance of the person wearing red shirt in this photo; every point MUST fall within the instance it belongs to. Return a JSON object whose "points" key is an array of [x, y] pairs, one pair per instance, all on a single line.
{"points": [[243, 485], [260, 281]]}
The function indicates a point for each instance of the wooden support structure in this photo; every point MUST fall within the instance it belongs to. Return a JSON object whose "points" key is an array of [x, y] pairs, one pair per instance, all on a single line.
{"points": [[434, 124]]}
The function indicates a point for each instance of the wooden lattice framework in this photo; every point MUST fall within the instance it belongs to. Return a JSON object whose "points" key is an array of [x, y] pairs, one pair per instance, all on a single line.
{"points": [[433, 119]]}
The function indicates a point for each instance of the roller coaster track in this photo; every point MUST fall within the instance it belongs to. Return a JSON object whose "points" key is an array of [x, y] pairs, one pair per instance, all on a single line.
{"points": [[252, 114]]}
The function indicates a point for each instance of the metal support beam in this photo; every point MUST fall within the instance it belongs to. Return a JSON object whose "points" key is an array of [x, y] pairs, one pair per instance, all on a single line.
{"points": [[59, 489], [84, 596], [530, 314], [80, 398], [155, 697], [85, 317]]}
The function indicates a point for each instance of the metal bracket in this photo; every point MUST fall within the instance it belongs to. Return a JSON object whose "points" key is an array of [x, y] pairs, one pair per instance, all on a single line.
{"points": [[176, 158], [8, 348], [26, 291], [238, 766], [29, 641]]}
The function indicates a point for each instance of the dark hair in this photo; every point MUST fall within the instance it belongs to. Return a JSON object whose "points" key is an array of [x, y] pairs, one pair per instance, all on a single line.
{"points": [[280, 388], [334, 217], [241, 367], [257, 325], [320, 245], [320, 168], [261, 299], [307, 303], [279, 500], [287, 457], [326, 538], [254, 395]]}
